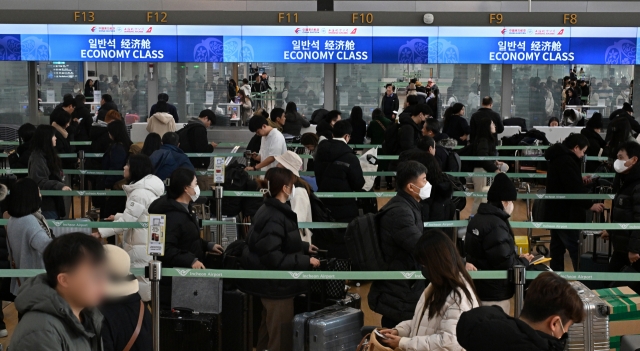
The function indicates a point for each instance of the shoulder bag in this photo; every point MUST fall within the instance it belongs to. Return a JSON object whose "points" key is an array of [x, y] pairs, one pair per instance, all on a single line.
{"points": [[136, 332]]}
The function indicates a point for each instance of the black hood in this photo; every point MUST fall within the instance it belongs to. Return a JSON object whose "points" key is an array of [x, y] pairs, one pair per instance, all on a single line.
{"points": [[489, 328], [489, 209], [558, 150], [164, 204], [442, 189], [333, 149]]}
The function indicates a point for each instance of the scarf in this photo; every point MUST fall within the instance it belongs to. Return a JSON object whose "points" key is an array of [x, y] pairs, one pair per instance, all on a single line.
{"points": [[43, 223]]}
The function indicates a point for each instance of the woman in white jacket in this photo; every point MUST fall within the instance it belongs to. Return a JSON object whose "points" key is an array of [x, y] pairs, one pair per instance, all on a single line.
{"points": [[450, 293], [299, 200], [143, 188]]}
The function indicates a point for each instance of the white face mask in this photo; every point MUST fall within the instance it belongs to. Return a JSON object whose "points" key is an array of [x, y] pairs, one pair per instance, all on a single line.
{"points": [[509, 208], [619, 166], [195, 196], [425, 191], [292, 194]]}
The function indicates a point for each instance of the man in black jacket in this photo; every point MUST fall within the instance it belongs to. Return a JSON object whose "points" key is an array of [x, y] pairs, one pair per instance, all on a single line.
{"points": [[338, 169], [390, 101], [486, 111], [173, 111], [401, 225], [193, 139], [625, 112], [564, 177], [106, 105], [551, 306], [410, 130], [626, 208]]}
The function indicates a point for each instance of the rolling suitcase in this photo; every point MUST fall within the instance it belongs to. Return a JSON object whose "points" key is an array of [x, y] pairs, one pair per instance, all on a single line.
{"points": [[236, 321], [330, 329], [180, 331], [593, 333], [594, 254], [630, 343]]}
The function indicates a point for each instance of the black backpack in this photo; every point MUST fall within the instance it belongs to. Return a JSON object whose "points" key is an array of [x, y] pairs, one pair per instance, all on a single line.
{"points": [[320, 213], [458, 202], [452, 163], [391, 145], [363, 242]]}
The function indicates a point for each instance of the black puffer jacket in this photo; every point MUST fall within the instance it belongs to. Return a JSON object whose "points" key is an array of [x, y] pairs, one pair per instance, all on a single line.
{"points": [[100, 142], [490, 246], [274, 244], [635, 125], [104, 109], [456, 126], [401, 225], [483, 147], [294, 124], [564, 177], [193, 139], [626, 209], [482, 113], [596, 142], [409, 134], [439, 206], [338, 169], [490, 329]]}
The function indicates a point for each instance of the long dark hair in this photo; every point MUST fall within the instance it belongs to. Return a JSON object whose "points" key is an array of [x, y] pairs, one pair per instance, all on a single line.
{"points": [[436, 252], [450, 111], [118, 130], [356, 115], [483, 131], [276, 178], [180, 179], [41, 142], [291, 108], [152, 143], [140, 166]]}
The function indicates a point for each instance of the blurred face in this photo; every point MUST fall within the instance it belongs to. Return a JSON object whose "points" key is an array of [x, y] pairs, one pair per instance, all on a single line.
{"points": [[389, 90], [493, 128], [53, 140], [553, 124], [126, 173], [191, 189], [69, 109], [628, 162], [311, 148], [205, 121], [579, 151], [281, 120], [84, 285], [333, 122], [90, 82], [462, 112], [432, 150]]}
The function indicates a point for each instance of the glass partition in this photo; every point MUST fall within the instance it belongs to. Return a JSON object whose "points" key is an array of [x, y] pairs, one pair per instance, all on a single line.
{"points": [[13, 93]]}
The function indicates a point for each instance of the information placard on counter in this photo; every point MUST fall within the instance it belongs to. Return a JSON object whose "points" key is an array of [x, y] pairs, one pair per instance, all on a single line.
{"points": [[156, 239]]}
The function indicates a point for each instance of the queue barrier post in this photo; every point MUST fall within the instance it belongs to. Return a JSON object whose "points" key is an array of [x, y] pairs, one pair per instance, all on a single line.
{"points": [[219, 193], [155, 273], [82, 160], [518, 276], [583, 164]]}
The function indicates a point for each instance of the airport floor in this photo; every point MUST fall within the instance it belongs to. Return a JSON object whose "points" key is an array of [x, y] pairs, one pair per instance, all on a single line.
{"points": [[371, 318]]}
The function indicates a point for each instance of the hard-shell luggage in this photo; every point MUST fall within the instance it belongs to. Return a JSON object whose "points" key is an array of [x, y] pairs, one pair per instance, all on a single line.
{"points": [[630, 343], [180, 331], [236, 321], [352, 300], [330, 329], [593, 333], [594, 254]]}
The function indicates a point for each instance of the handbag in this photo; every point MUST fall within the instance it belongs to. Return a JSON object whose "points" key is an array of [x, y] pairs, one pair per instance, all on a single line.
{"points": [[136, 332], [370, 343]]}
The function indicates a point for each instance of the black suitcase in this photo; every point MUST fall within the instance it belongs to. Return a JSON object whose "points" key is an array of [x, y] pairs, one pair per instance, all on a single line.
{"points": [[593, 257], [236, 321], [184, 331]]}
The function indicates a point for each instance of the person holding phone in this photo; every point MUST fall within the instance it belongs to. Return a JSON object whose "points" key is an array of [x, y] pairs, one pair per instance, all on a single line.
{"points": [[450, 293]]}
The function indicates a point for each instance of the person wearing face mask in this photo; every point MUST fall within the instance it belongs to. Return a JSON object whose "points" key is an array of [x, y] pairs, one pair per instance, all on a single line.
{"points": [[275, 244], [564, 177], [449, 294], [626, 209], [490, 245], [551, 307], [183, 245], [401, 226], [410, 130]]}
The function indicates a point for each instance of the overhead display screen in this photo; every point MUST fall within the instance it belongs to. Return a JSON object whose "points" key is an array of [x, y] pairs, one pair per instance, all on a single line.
{"points": [[321, 44]]}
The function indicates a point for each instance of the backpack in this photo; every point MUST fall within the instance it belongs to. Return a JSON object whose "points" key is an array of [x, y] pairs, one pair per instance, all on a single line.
{"points": [[390, 145], [458, 202], [362, 239], [453, 162], [320, 213], [466, 151]]}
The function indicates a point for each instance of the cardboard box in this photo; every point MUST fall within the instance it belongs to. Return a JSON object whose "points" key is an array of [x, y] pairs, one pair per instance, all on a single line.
{"points": [[624, 303]]}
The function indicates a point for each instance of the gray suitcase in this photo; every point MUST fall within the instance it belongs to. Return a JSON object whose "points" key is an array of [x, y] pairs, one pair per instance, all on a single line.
{"points": [[593, 333], [630, 343], [332, 328]]}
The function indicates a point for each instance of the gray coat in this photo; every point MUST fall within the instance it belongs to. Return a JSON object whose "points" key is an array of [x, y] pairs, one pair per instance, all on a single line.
{"points": [[48, 324], [27, 241], [39, 171]]}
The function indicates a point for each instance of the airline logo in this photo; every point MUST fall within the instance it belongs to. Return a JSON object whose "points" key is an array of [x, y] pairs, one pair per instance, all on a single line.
{"points": [[103, 29], [532, 31], [408, 275], [295, 275], [183, 272], [307, 30]]}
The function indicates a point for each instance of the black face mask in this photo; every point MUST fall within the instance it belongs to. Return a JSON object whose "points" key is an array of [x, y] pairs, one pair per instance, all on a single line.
{"points": [[425, 272]]}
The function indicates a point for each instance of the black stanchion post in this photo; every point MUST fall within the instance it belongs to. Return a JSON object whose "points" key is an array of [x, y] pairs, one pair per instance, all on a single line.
{"points": [[584, 164], [519, 279], [81, 157], [155, 273], [218, 190]]}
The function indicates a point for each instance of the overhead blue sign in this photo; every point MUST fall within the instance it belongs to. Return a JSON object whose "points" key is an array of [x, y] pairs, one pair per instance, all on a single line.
{"points": [[210, 43], [394, 45], [24, 42], [604, 46]]}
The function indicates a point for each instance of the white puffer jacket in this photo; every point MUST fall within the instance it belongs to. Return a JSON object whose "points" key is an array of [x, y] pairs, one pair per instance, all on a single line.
{"points": [[139, 196], [438, 333]]}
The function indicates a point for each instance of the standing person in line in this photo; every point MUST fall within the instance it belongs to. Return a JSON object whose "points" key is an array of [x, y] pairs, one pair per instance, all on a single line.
{"points": [[183, 245], [358, 125], [28, 233], [455, 125], [142, 189], [245, 106], [375, 132], [152, 143], [164, 98], [124, 312], [450, 293], [58, 308], [245, 87], [490, 243], [45, 169], [295, 121], [275, 244], [276, 118], [564, 177], [273, 144], [115, 158], [300, 203], [486, 111], [88, 90], [169, 157], [161, 121], [390, 101], [232, 89], [484, 144], [324, 129], [193, 139], [410, 131], [401, 227]]}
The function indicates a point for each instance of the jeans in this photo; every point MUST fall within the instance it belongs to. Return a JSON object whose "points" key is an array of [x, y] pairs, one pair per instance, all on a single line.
{"points": [[562, 240], [50, 214]]}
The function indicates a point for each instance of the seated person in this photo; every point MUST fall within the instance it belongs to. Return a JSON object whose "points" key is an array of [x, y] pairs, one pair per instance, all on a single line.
{"points": [[551, 306], [169, 157]]}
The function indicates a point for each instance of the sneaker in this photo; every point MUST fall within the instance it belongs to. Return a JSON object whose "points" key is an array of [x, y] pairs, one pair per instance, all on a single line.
{"points": [[4, 333]]}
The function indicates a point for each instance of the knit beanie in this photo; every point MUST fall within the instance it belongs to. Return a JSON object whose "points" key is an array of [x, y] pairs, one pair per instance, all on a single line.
{"points": [[502, 189], [595, 122], [627, 107]]}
